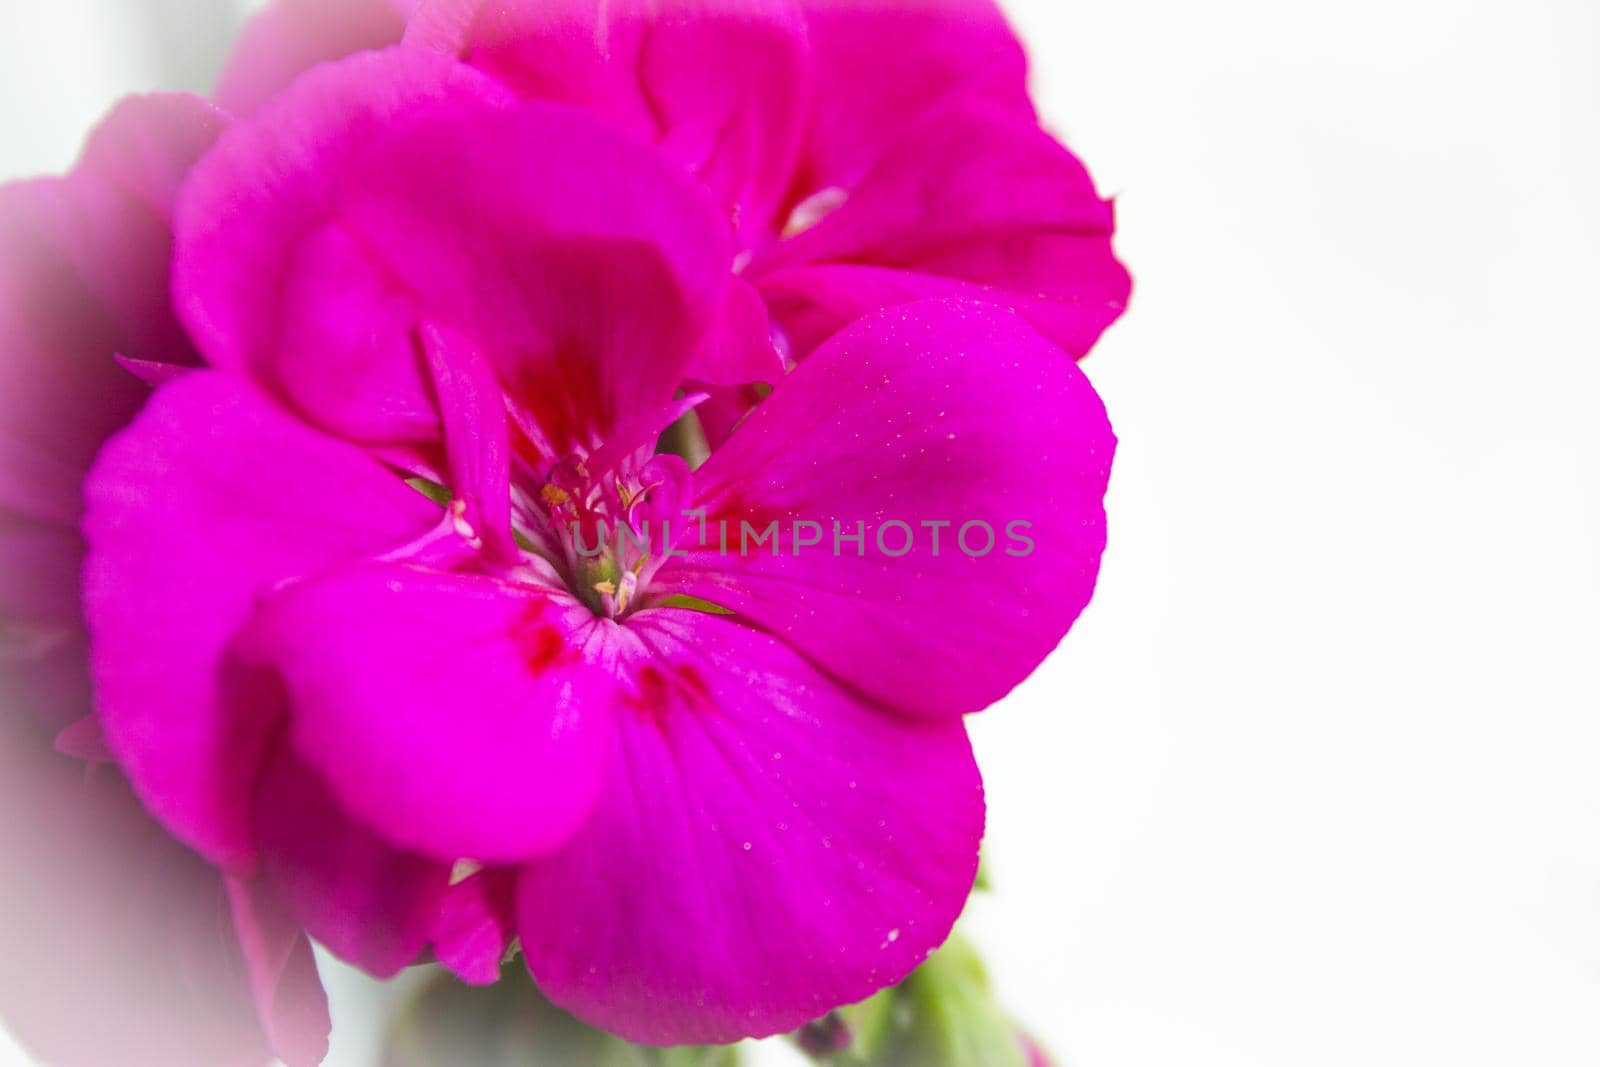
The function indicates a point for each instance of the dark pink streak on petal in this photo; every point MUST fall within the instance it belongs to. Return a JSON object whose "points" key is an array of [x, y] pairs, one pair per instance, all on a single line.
{"points": [[938, 412], [768, 846], [209, 501]]}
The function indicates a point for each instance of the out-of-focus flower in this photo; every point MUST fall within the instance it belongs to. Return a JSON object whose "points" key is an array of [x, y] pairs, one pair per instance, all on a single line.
{"points": [[83, 282], [1035, 1052], [719, 823], [120, 943]]}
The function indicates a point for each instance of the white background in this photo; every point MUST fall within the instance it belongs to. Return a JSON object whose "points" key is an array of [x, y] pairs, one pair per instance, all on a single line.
{"points": [[1314, 781]]}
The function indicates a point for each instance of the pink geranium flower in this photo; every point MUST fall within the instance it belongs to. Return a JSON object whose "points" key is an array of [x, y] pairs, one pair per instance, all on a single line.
{"points": [[415, 730], [714, 795]]}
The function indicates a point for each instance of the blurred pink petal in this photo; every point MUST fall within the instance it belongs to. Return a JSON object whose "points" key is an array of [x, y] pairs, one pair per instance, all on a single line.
{"points": [[118, 945], [290, 1002], [289, 37], [83, 279]]}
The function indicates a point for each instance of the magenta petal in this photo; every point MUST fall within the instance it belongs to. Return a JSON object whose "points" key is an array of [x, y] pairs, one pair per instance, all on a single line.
{"points": [[973, 201], [148, 144], [884, 64], [117, 942], [388, 192], [939, 412], [83, 277], [583, 264], [476, 926], [477, 437], [768, 847], [720, 85], [270, 184], [729, 82], [290, 1001], [211, 499], [84, 740], [368, 903], [447, 712], [291, 36], [741, 349], [61, 392]]}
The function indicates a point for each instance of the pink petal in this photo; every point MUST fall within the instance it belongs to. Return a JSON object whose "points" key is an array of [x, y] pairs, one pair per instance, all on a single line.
{"points": [[61, 392], [289, 37], [973, 201], [884, 64], [581, 262], [84, 740], [477, 437], [250, 211], [476, 926], [211, 499], [940, 412], [365, 901], [768, 847], [741, 350], [720, 85], [43, 676], [290, 1001], [117, 941], [447, 712], [148, 144], [83, 277]]}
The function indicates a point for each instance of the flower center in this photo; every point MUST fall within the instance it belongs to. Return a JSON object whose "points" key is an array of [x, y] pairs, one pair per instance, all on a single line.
{"points": [[607, 532]]}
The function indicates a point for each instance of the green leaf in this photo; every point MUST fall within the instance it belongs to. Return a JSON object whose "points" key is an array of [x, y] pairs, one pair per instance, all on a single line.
{"points": [[435, 492], [944, 1015], [511, 1024], [694, 603]]}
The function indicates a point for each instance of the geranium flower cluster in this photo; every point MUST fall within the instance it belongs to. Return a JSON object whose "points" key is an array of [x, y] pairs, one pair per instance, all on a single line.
{"points": [[318, 401]]}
